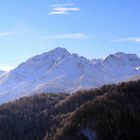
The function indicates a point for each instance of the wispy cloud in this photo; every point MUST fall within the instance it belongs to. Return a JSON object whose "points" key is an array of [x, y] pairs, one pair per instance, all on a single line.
{"points": [[61, 9], [3, 34], [130, 39], [67, 36]]}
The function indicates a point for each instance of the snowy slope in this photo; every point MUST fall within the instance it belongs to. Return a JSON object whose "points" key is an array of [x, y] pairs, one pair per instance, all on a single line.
{"points": [[60, 71], [120, 66]]}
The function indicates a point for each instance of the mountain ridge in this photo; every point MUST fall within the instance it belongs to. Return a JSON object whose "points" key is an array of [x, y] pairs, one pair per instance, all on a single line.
{"points": [[60, 71]]}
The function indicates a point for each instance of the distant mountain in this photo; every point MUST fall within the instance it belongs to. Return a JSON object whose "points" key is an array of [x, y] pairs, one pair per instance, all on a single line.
{"points": [[59, 71], [2, 72]]}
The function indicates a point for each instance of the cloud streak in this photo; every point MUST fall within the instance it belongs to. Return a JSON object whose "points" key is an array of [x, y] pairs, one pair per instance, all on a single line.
{"points": [[131, 39], [63, 9], [3, 34], [67, 36]]}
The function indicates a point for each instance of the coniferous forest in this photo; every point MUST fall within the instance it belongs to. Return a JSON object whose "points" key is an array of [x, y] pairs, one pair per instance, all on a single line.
{"points": [[111, 112]]}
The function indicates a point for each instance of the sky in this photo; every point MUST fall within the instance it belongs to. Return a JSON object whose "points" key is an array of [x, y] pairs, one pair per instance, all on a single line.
{"points": [[91, 28]]}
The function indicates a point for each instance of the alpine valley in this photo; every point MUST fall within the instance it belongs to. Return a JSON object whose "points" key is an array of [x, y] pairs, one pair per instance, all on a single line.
{"points": [[59, 71]]}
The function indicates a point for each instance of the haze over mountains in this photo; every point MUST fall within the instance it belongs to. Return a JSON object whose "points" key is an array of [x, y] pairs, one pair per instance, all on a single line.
{"points": [[60, 71]]}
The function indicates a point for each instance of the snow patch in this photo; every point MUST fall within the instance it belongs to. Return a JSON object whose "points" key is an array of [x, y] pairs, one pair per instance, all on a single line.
{"points": [[91, 135]]}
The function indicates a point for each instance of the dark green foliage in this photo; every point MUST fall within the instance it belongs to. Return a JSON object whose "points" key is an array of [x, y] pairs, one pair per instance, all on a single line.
{"points": [[115, 114], [112, 112], [27, 118]]}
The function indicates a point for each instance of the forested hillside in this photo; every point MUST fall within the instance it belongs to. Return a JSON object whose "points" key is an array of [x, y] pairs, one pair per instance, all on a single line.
{"points": [[111, 112]]}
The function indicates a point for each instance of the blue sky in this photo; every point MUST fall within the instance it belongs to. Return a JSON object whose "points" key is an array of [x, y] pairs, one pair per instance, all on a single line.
{"points": [[92, 28]]}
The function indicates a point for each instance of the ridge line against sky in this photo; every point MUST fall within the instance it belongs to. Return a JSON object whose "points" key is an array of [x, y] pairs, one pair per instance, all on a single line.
{"points": [[7, 68], [92, 29]]}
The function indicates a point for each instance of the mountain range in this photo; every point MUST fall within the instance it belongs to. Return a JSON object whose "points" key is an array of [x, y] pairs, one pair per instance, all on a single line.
{"points": [[59, 71]]}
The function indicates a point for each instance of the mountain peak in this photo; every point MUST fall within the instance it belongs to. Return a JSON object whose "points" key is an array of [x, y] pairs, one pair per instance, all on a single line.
{"points": [[54, 54], [121, 55], [59, 50]]}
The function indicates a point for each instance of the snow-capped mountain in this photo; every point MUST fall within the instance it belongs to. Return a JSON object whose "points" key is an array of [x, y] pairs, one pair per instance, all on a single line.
{"points": [[59, 71]]}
